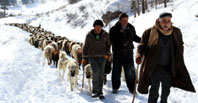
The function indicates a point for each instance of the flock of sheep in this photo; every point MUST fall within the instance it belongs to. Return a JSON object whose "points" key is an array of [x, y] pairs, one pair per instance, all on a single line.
{"points": [[56, 49]]}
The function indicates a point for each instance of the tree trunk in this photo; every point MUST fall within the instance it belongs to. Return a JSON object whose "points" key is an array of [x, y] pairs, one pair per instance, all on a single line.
{"points": [[4, 13], [151, 3], [143, 7], [43, 1], [160, 1], [165, 3], [138, 10], [134, 7], [156, 4], [146, 4]]}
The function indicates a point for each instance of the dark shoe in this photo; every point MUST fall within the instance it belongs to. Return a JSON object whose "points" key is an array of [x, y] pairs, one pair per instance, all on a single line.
{"points": [[105, 81], [115, 91], [131, 91], [101, 96], [94, 95]]}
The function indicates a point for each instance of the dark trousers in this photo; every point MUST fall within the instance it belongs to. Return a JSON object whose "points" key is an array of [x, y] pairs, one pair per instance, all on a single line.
{"points": [[160, 74], [98, 66], [129, 73]]}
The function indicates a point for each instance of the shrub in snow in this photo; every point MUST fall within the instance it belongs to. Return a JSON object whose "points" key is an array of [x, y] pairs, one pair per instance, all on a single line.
{"points": [[82, 8], [196, 15], [71, 17], [73, 1]]}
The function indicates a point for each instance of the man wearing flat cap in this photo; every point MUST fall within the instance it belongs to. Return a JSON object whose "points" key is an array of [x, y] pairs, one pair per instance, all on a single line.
{"points": [[161, 54], [96, 47]]}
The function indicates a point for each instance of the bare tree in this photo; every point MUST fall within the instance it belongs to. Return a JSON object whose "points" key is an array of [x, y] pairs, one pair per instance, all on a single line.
{"points": [[42, 1], [143, 7], [165, 3], [133, 7], [156, 4], [151, 3], [4, 4], [138, 7], [118, 6], [146, 4], [4, 9], [161, 1]]}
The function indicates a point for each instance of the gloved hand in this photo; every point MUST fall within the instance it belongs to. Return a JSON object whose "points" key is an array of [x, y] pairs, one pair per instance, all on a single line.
{"points": [[84, 61], [138, 60], [108, 57]]}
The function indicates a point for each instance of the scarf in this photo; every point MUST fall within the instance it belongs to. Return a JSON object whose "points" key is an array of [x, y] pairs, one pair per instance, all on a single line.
{"points": [[154, 35]]}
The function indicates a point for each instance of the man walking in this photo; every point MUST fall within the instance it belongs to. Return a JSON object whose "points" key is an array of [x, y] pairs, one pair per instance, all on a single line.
{"points": [[162, 49], [96, 49], [122, 36]]}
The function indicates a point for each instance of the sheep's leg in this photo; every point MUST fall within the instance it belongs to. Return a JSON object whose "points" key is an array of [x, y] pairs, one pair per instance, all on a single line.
{"points": [[76, 80], [63, 75], [89, 84], [71, 83]]}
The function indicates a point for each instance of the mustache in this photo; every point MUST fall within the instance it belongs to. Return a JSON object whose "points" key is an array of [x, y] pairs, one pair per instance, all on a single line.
{"points": [[166, 26]]}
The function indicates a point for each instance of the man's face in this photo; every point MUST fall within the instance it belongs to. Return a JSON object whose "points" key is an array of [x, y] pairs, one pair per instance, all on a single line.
{"points": [[98, 29], [124, 22], [165, 23]]}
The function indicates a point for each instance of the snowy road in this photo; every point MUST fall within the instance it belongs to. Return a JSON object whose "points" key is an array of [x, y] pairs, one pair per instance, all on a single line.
{"points": [[25, 76]]}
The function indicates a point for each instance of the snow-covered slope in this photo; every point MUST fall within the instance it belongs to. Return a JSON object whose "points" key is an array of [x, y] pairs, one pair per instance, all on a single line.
{"points": [[35, 8], [74, 18], [25, 76]]}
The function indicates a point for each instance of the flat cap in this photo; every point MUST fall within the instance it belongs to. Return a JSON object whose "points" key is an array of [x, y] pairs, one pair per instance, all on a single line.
{"points": [[165, 14]]}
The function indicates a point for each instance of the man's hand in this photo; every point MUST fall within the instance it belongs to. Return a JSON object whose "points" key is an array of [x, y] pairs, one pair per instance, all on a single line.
{"points": [[84, 61], [108, 57], [138, 60]]}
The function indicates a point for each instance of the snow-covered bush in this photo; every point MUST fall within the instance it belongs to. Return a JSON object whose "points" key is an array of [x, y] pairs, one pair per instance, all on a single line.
{"points": [[73, 1]]}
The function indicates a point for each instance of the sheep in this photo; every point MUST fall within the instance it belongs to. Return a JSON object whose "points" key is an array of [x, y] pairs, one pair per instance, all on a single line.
{"points": [[66, 46], [48, 50], [73, 71], [70, 46], [60, 44], [76, 52], [88, 71], [55, 53], [62, 64]]}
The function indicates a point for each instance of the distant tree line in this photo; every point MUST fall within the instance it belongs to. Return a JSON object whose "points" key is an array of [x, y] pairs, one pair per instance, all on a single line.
{"points": [[5, 3], [14, 2], [143, 5]]}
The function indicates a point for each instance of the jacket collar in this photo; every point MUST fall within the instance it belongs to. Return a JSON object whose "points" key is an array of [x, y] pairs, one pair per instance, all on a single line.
{"points": [[118, 25], [91, 32]]}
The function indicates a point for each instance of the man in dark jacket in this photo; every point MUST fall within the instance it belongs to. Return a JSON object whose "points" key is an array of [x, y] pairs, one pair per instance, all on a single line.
{"points": [[162, 49], [95, 49], [122, 36]]}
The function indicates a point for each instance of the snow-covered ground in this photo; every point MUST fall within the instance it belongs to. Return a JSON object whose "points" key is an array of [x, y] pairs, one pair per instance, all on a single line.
{"points": [[25, 76]]}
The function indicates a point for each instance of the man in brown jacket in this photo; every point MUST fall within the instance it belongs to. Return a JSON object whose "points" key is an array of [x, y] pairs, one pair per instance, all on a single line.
{"points": [[161, 54], [96, 48]]}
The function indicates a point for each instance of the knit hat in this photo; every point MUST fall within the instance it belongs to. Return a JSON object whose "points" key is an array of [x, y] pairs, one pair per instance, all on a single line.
{"points": [[123, 15], [165, 14], [98, 22]]}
